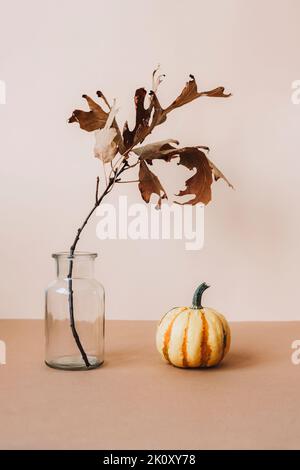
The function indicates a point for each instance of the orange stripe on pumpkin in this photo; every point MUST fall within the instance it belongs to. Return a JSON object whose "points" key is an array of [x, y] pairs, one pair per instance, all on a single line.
{"points": [[167, 336], [205, 349], [224, 342], [185, 362]]}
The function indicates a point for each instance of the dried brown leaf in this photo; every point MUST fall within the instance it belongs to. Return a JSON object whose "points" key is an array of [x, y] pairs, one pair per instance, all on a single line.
{"points": [[200, 183], [105, 146], [148, 118], [96, 118], [190, 93], [149, 184], [90, 120], [154, 115], [131, 138], [156, 150], [190, 157]]}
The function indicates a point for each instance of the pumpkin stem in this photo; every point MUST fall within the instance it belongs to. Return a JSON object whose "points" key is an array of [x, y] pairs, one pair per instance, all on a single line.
{"points": [[198, 295]]}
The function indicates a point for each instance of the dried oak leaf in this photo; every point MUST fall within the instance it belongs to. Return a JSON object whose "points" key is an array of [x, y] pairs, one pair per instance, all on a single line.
{"points": [[190, 93], [156, 150], [131, 138], [148, 118], [105, 146], [149, 184], [156, 114], [90, 120], [191, 157], [167, 153], [200, 183]]}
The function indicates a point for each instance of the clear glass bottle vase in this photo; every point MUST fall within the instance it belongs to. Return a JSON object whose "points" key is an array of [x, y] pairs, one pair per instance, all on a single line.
{"points": [[74, 314]]}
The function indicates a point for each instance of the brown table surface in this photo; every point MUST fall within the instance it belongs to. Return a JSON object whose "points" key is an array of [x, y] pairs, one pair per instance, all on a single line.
{"points": [[136, 401]]}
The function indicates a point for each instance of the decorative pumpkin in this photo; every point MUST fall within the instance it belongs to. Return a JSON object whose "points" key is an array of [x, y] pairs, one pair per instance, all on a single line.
{"points": [[193, 336]]}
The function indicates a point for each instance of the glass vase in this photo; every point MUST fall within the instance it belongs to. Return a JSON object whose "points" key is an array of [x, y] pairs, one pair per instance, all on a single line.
{"points": [[74, 314]]}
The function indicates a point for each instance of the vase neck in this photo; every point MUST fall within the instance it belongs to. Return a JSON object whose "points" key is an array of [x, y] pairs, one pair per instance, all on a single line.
{"points": [[80, 265]]}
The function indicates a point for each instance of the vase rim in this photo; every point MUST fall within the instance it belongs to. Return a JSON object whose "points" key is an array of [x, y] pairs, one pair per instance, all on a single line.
{"points": [[66, 254]]}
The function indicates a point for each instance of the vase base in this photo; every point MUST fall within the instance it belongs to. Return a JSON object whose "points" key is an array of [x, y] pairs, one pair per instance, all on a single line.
{"points": [[73, 363]]}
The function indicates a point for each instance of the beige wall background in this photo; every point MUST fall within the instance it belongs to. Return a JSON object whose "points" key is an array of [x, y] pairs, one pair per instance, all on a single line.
{"points": [[53, 51]]}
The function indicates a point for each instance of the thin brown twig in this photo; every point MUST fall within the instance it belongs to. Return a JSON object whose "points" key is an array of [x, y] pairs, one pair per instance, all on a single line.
{"points": [[115, 165], [71, 261], [123, 157], [97, 189], [132, 166]]}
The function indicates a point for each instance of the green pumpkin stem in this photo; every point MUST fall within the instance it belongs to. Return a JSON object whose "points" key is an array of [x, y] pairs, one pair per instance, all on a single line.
{"points": [[197, 298]]}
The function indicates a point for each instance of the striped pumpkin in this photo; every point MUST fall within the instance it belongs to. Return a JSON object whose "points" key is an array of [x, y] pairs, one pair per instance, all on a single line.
{"points": [[193, 336]]}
